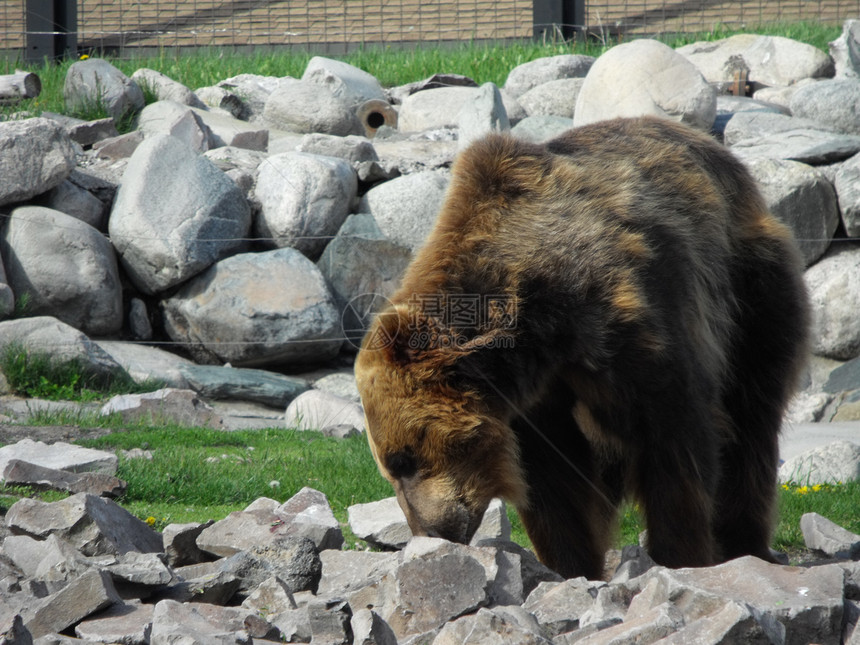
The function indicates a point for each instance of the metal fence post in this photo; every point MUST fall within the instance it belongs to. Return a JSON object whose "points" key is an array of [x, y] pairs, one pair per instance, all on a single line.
{"points": [[52, 29], [558, 17]]}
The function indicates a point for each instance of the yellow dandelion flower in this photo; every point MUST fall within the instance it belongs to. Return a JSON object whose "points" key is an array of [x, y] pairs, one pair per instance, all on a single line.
{"points": [[816, 487], [84, 56], [150, 520]]}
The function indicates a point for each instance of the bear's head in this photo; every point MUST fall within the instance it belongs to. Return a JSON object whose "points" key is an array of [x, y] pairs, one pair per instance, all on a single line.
{"points": [[444, 447]]}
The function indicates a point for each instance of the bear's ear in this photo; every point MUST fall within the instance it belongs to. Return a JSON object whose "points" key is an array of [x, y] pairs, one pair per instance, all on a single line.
{"points": [[413, 340]]}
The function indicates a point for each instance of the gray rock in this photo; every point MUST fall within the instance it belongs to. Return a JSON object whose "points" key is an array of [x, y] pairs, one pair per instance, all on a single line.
{"points": [[812, 615], [175, 215], [539, 129], [368, 628], [304, 106], [253, 90], [483, 114], [228, 158], [645, 77], [63, 342], [433, 109], [844, 377], [316, 409], [342, 384], [351, 148], [405, 208], [174, 622], [76, 202], [95, 83], [95, 525], [494, 525], [813, 147], [146, 364], [28, 474], [129, 622], [744, 127], [847, 185], [659, 623], [166, 405], [553, 98], [355, 575], [13, 632], [91, 592], [265, 522], [180, 543], [271, 597], [526, 76], [82, 288], [329, 620], [834, 290], [294, 560], [138, 575], [610, 607], [86, 133], [363, 270], [833, 463], [845, 50], [203, 583], [268, 388], [834, 103], [769, 60], [431, 588], [346, 82], [164, 87], [381, 524], [781, 96], [35, 156], [179, 121], [59, 456], [119, 147], [7, 297], [304, 198], [823, 535], [256, 309], [734, 623], [559, 606], [801, 197], [634, 562], [489, 627]]}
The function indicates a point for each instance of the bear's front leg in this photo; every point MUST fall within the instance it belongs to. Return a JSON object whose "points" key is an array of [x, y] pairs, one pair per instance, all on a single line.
{"points": [[569, 512]]}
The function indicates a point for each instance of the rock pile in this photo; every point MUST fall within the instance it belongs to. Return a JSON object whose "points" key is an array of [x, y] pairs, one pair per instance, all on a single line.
{"points": [[277, 573], [242, 223]]}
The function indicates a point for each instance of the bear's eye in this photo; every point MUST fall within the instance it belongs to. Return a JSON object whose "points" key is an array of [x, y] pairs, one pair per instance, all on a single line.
{"points": [[401, 464]]}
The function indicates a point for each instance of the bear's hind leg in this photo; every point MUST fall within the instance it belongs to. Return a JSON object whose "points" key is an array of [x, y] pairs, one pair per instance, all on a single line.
{"points": [[766, 358], [570, 513]]}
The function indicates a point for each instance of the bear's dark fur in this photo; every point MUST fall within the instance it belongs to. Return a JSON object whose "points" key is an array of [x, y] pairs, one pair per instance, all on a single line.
{"points": [[639, 323]]}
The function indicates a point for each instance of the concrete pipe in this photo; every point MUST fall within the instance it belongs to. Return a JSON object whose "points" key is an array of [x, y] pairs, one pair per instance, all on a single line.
{"points": [[375, 113]]}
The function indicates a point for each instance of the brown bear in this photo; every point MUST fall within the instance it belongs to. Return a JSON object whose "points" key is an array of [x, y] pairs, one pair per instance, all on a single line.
{"points": [[613, 313]]}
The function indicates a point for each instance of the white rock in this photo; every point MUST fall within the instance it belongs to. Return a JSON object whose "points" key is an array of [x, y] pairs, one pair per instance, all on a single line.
{"points": [[316, 409], [95, 82], [645, 77], [836, 462], [59, 456], [845, 50], [554, 98], [834, 291], [526, 76]]}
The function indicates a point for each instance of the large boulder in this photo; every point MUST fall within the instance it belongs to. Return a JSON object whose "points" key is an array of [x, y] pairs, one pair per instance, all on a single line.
{"points": [[847, 184], [646, 77], [177, 120], [164, 87], [304, 106], [834, 103], [801, 197], [405, 208], [845, 50], [304, 200], [64, 343], [554, 98], [95, 84], [346, 82], [7, 296], [526, 76], [175, 214], [35, 156], [768, 60], [256, 309], [834, 290], [65, 267]]}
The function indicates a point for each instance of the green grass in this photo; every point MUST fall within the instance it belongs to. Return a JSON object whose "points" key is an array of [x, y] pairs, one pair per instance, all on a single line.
{"points": [[392, 66], [38, 375]]}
